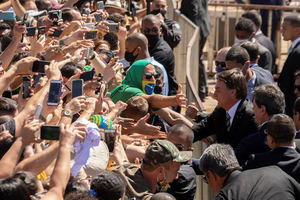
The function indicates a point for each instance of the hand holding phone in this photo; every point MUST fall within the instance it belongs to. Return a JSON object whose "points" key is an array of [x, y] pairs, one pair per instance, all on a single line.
{"points": [[50, 133], [30, 31], [77, 88], [113, 27], [39, 66], [26, 85], [54, 92], [90, 35]]}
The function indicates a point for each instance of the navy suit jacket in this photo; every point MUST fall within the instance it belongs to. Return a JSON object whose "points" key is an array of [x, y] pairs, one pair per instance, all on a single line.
{"points": [[288, 159], [252, 144], [243, 124], [263, 76], [286, 79]]}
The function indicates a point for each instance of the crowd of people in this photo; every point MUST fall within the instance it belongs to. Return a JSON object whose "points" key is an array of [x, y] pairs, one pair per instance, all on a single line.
{"points": [[90, 105]]}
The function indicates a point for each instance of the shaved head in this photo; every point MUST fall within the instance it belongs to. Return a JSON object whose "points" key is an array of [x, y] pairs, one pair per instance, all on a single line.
{"points": [[138, 39], [151, 19]]}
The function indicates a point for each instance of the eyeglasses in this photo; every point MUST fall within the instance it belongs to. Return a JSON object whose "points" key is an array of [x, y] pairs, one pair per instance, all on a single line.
{"points": [[220, 64], [149, 76], [297, 87]]}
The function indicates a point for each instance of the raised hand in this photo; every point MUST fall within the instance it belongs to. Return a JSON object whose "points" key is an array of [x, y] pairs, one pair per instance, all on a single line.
{"points": [[180, 97], [192, 111]]}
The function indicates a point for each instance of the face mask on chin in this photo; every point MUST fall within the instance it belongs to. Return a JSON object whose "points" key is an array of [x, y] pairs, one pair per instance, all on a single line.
{"points": [[148, 86]]}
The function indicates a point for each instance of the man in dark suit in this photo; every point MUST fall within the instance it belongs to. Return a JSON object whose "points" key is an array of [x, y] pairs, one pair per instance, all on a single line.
{"points": [[197, 12], [267, 101], [296, 117], [260, 37], [280, 132], [221, 172], [290, 32], [233, 118], [238, 57], [244, 31]]}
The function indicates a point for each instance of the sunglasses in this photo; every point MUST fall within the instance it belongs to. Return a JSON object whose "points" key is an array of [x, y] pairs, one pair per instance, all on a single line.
{"points": [[149, 76], [297, 87]]}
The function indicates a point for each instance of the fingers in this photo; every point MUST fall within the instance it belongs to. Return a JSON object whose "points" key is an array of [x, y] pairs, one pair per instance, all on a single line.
{"points": [[146, 117], [179, 90]]}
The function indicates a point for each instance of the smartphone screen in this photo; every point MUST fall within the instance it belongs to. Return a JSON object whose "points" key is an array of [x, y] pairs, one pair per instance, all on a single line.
{"points": [[110, 137], [30, 31], [113, 27], [77, 88], [87, 76], [39, 66], [133, 13], [26, 84], [100, 5], [7, 15], [90, 35], [54, 92], [98, 17], [50, 132]]}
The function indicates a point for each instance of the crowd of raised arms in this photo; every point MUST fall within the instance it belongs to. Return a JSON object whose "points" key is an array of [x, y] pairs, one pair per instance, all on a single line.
{"points": [[90, 107]]}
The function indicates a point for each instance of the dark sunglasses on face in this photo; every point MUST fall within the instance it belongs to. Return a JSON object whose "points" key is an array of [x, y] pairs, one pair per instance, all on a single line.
{"points": [[220, 64], [297, 87], [149, 76]]}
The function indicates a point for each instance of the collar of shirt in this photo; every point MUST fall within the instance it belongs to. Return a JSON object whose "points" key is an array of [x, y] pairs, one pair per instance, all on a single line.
{"points": [[232, 111], [253, 65], [258, 33], [294, 43]]}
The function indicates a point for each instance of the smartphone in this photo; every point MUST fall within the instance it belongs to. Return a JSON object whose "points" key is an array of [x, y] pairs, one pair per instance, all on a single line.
{"points": [[77, 88], [7, 15], [87, 76], [39, 66], [125, 63], [37, 79], [133, 13], [90, 35], [100, 5], [38, 111], [30, 31], [85, 11], [54, 92], [98, 17], [110, 138], [128, 27], [50, 132], [113, 27], [87, 52], [26, 84], [57, 33]]}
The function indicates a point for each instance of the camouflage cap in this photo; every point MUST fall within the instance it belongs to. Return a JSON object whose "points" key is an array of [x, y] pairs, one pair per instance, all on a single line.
{"points": [[162, 151]]}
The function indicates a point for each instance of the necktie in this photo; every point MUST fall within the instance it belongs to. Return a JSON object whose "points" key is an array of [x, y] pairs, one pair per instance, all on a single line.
{"points": [[227, 122]]}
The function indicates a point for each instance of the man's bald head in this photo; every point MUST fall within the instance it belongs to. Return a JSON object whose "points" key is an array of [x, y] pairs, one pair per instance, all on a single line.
{"points": [[181, 134], [138, 39], [153, 19]]}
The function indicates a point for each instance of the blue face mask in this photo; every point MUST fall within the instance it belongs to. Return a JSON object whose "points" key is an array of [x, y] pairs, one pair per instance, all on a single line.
{"points": [[148, 86]]}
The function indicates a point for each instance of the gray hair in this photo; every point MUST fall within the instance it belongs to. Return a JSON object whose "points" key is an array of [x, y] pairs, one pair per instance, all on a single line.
{"points": [[219, 159]]}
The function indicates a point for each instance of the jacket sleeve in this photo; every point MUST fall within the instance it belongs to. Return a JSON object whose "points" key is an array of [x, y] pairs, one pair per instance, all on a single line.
{"points": [[172, 33]]}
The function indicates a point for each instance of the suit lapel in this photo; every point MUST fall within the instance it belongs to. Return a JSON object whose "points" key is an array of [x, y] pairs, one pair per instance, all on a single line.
{"points": [[238, 115]]}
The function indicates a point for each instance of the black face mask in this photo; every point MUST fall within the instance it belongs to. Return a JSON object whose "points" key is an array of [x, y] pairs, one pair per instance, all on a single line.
{"points": [[157, 90], [130, 57], [152, 39], [161, 11]]}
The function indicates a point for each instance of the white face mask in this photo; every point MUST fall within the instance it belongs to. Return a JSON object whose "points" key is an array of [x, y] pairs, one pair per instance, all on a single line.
{"points": [[240, 42]]}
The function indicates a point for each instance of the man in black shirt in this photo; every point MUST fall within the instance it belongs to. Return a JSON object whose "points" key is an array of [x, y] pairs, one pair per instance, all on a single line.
{"points": [[159, 49]]}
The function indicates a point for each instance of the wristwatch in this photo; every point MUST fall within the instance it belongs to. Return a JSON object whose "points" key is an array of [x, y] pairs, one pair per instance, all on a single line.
{"points": [[67, 113]]}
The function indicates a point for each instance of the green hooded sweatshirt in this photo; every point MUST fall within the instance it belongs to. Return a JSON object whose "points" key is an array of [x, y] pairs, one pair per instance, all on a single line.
{"points": [[132, 83]]}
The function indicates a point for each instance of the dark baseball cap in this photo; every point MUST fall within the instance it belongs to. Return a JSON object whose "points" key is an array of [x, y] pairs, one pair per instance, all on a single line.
{"points": [[162, 151]]}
